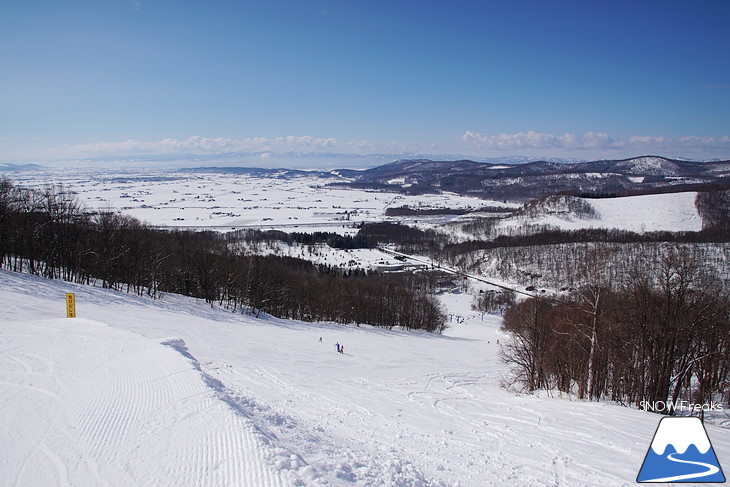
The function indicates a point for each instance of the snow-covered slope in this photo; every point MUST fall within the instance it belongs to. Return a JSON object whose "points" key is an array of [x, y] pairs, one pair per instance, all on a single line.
{"points": [[86, 404], [173, 392], [672, 212]]}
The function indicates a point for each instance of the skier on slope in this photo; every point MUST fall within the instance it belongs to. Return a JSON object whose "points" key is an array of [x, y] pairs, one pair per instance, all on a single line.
{"points": [[337, 346]]}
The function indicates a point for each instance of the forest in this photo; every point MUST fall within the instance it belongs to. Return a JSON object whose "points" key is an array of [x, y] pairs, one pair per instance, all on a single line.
{"points": [[661, 334], [49, 233]]}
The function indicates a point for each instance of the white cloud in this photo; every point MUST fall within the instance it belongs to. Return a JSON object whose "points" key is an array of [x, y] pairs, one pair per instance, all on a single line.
{"points": [[591, 142], [537, 140], [594, 140], [470, 145], [689, 142], [292, 144], [205, 145]]}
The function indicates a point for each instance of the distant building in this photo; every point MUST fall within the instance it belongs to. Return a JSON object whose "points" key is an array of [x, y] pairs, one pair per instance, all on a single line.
{"points": [[385, 266]]}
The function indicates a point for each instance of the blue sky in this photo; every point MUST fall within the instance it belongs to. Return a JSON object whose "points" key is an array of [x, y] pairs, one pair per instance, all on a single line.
{"points": [[321, 83]]}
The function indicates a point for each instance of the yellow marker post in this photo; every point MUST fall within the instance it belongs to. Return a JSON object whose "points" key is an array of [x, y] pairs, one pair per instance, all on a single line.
{"points": [[70, 305]]}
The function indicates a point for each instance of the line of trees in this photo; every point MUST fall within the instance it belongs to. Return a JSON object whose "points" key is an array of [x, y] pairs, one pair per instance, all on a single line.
{"points": [[714, 209], [662, 335], [334, 240], [556, 236], [491, 301], [410, 211], [48, 232], [562, 265]]}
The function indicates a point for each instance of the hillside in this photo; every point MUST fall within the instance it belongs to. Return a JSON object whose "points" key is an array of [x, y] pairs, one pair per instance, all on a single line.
{"points": [[532, 180], [671, 212], [174, 392]]}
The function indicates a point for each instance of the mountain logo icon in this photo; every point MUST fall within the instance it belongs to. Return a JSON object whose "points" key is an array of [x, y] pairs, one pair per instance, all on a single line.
{"points": [[681, 452]]}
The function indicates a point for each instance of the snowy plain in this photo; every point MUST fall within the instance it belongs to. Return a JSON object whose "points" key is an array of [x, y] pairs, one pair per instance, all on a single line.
{"points": [[174, 392], [225, 202], [229, 201]]}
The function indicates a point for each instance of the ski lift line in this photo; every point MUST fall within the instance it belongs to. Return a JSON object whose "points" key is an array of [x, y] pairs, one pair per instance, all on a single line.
{"points": [[459, 273]]}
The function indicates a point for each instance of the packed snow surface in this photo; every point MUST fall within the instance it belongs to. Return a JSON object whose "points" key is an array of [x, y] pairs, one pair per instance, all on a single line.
{"points": [[174, 392]]}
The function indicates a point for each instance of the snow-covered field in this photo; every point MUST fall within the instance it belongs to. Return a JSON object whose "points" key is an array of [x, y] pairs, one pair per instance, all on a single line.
{"points": [[306, 204], [655, 212], [173, 392], [673, 212], [230, 201]]}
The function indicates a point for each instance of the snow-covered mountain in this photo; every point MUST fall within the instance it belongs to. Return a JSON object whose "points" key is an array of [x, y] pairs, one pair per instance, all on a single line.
{"points": [[531, 180], [6, 167]]}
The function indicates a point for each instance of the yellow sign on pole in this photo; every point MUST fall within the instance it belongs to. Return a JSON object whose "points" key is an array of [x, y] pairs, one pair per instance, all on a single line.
{"points": [[70, 305]]}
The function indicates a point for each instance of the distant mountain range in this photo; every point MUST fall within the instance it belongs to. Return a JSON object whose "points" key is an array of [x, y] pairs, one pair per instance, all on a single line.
{"points": [[7, 167], [522, 182]]}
